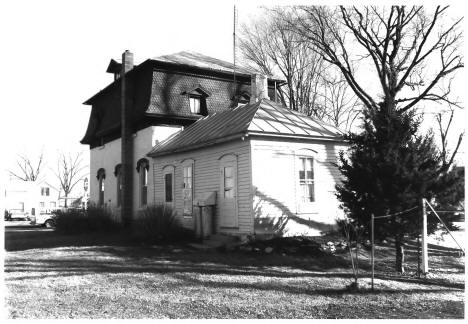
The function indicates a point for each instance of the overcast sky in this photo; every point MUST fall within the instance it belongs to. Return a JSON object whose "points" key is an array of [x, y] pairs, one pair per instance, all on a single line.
{"points": [[54, 55]]}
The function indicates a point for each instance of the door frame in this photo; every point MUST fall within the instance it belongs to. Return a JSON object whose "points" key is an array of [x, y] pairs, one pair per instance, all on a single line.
{"points": [[229, 159]]}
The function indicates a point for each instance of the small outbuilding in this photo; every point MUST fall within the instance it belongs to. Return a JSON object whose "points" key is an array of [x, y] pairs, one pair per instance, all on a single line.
{"points": [[271, 170]]}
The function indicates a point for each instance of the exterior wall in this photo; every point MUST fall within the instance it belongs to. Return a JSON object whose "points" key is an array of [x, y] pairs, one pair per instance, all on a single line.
{"points": [[108, 156], [29, 194], [275, 182], [206, 179]]}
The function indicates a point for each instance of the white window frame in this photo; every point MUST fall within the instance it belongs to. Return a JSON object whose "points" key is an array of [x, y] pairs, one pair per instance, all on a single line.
{"points": [[195, 109], [143, 176], [186, 164], [169, 169], [305, 207]]}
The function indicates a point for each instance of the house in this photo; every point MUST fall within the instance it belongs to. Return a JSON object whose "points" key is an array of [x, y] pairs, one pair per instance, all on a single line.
{"points": [[30, 197], [165, 94], [202, 141]]}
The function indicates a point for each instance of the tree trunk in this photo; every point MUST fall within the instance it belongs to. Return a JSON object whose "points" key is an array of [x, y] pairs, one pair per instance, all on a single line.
{"points": [[400, 255], [66, 200]]}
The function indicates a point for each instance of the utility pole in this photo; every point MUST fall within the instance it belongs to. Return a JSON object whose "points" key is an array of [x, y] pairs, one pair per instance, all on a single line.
{"points": [[126, 143], [234, 46]]}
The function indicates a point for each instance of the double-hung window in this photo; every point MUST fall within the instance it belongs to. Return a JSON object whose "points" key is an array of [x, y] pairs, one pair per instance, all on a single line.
{"points": [[306, 180], [187, 190], [195, 104]]}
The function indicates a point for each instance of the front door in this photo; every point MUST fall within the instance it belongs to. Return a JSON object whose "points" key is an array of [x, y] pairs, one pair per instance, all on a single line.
{"points": [[228, 191]]}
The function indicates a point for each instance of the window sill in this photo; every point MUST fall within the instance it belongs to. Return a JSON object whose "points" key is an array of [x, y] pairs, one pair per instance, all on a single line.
{"points": [[307, 208]]}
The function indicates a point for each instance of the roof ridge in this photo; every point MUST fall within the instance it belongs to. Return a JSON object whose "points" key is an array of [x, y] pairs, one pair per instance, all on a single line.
{"points": [[258, 106]]}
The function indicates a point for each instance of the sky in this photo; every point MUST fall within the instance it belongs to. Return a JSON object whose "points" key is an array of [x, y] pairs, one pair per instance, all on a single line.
{"points": [[57, 52], [54, 55]]}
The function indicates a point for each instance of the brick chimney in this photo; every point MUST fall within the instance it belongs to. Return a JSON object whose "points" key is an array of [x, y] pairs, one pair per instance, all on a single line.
{"points": [[127, 60], [126, 141], [259, 87]]}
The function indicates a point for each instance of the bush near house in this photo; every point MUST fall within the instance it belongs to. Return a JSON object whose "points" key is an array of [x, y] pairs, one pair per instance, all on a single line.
{"points": [[153, 224], [92, 219], [158, 223]]}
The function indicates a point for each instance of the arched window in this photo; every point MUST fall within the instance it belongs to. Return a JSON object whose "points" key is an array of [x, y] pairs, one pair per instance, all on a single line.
{"points": [[187, 188], [101, 175], [168, 180], [142, 168], [118, 175]]}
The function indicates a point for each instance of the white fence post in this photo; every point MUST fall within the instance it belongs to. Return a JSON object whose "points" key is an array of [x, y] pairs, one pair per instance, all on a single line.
{"points": [[372, 253], [425, 264]]}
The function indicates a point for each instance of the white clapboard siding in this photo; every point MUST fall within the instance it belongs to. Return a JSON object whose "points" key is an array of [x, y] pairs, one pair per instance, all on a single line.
{"points": [[275, 182], [207, 179]]}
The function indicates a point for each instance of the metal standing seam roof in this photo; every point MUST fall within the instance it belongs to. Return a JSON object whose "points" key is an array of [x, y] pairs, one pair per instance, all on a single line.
{"points": [[262, 118]]}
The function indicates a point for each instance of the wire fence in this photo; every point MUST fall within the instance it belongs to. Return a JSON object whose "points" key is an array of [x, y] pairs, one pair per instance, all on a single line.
{"points": [[397, 213], [431, 211]]}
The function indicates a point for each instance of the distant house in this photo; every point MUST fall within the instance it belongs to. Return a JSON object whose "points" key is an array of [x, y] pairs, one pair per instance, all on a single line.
{"points": [[30, 197], [200, 136]]}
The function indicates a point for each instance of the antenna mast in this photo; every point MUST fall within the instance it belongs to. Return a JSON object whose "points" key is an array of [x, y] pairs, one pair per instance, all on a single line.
{"points": [[234, 45]]}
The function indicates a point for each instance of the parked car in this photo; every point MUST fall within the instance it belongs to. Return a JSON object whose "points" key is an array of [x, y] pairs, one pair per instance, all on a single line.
{"points": [[44, 219], [16, 214]]}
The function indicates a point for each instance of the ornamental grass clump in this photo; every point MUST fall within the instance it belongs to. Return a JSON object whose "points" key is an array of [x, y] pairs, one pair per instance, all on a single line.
{"points": [[158, 223]]}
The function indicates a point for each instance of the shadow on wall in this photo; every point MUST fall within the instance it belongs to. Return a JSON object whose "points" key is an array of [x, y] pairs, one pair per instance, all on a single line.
{"points": [[331, 162], [272, 217], [168, 94]]}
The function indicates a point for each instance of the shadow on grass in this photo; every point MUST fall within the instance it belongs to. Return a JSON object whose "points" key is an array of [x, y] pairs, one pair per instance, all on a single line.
{"points": [[137, 260], [20, 238], [305, 289], [113, 254]]}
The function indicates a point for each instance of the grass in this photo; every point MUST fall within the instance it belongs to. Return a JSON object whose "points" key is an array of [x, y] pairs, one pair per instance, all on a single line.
{"points": [[104, 280]]}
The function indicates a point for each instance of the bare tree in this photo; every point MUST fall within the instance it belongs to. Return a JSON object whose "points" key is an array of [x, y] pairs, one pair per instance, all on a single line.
{"points": [[69, 172], [270, 45], [28, 170], [341, 106], [410, 51], [447, 156]]}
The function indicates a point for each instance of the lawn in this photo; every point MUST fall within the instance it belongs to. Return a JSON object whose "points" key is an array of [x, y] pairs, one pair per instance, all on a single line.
{"points": [[102, 280]]}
